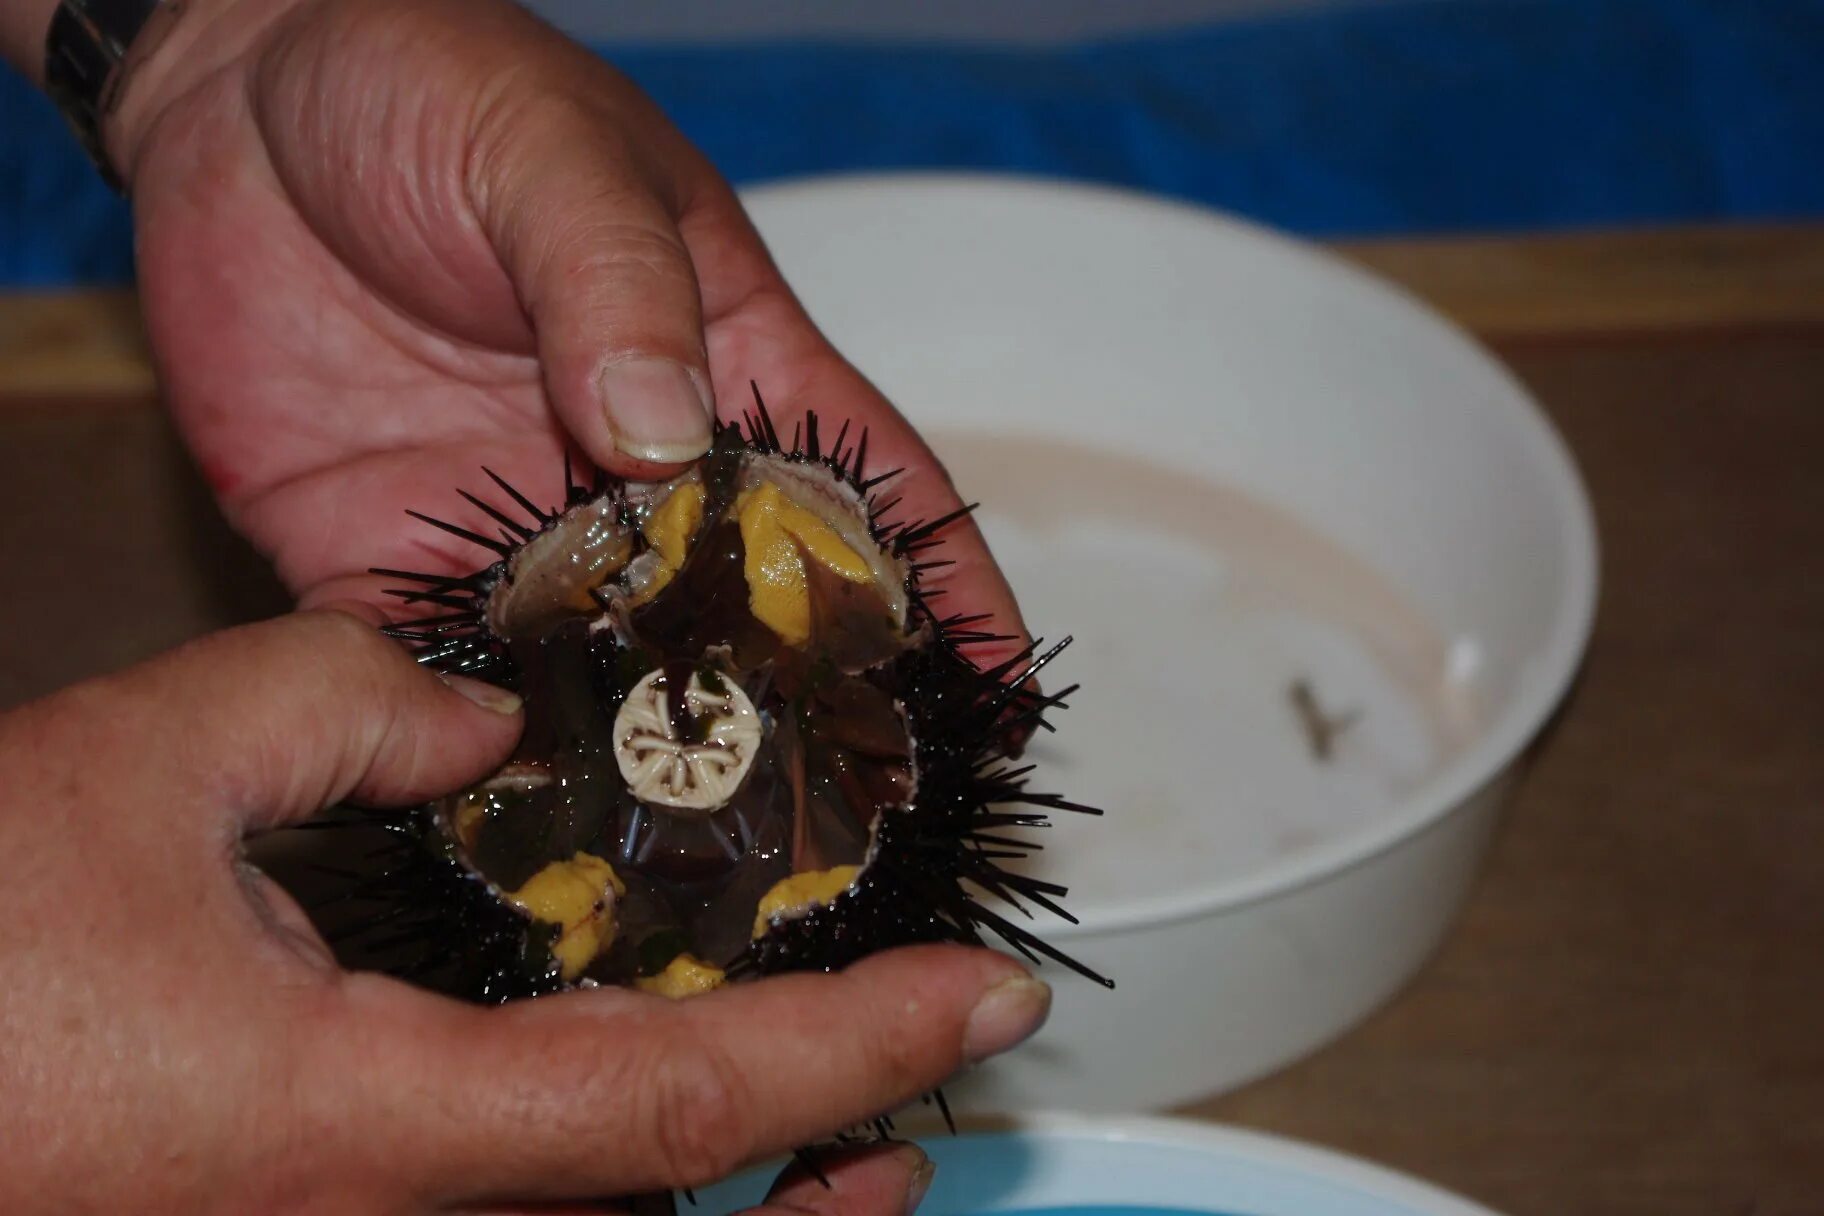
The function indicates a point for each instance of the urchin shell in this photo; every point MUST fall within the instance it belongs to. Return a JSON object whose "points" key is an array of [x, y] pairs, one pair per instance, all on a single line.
{"points": [[439, 922]]}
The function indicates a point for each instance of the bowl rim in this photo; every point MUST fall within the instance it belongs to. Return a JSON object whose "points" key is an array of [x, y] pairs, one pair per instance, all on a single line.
{"points": [[1226, 1140], [1523, 716]]}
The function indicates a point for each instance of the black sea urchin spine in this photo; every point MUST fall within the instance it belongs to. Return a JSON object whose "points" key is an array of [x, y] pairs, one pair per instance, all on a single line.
{"points": [[966, 722], [456, 638], [914, 891], [419, 914]]}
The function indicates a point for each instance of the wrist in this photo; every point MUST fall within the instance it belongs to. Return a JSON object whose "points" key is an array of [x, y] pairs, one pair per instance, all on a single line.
{"points": [[188, 42]]}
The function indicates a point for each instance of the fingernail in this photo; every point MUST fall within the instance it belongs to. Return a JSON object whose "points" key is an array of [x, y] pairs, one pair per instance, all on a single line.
{"points": [[657, 410], [1005, 1016], [921, 1181], [486, 695]]}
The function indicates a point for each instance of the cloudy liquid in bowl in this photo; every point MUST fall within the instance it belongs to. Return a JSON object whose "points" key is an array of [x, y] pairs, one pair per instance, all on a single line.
{"points": [[1251, 689]]}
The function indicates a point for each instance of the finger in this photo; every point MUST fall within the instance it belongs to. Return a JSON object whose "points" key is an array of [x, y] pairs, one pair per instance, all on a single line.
{"points": [[884, 1181], [611, 1092], [273, 722], [593, 250], [881, 1180], [605, 1207]]}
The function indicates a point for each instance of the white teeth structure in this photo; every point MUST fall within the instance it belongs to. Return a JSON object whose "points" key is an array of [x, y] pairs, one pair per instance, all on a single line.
{"points": [[664, 770]]}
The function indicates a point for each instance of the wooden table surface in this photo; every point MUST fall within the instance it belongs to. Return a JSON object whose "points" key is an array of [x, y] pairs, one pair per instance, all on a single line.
{"points": [[1629, 1018]]}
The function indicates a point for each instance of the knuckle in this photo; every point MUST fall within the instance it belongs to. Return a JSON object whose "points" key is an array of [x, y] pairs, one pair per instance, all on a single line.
{"points": [[322, 1056], [696, 1110], [332, 635], [344, 630], [345, 656], [615, 259], [363, 656], [902, 1063], [623, 245], [521, 117], [573, 199]]}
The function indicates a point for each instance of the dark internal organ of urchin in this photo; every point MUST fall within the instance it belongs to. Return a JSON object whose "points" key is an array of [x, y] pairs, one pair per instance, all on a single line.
{"points": [[752, 742]]}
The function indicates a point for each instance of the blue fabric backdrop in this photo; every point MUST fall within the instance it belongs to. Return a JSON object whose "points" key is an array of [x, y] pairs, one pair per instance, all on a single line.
{"points": [[1418, 116]]}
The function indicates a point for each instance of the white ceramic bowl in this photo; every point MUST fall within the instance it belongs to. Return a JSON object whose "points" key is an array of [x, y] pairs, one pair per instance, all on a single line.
{"points": [[1229, 464], [1052, 1165]]}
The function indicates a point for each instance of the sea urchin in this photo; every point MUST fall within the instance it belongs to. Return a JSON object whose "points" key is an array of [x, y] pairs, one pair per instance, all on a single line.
{"points": [[752, 744]]}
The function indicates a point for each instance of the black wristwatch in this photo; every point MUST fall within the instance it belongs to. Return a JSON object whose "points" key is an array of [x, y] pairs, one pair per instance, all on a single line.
{"points": [[88, 42]]}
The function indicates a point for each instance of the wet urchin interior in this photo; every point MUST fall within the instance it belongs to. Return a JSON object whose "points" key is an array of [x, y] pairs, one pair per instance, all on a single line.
{"points": [[753, 744]]}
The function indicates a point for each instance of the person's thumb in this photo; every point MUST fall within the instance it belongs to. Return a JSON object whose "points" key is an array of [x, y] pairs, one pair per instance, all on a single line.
{"points": [[592, 246], [270, 723]]}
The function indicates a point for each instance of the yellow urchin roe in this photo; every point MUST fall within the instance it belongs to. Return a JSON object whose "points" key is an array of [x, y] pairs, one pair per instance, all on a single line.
{"points": [[669, 529], [469, 813], [673, 522], [578, 897], [778, 535], [684, 976], [800, 892]]}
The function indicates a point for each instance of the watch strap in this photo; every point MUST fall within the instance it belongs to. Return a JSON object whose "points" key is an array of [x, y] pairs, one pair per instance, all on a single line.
{"points": [[87, 43]]}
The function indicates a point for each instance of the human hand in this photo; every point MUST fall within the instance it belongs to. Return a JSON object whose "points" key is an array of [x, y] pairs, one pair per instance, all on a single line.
{"points": [[385, 242], [174, 1037]]}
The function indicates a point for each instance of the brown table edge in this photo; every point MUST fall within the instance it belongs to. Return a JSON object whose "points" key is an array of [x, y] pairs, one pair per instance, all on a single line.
{"points": [[1696, 281]]}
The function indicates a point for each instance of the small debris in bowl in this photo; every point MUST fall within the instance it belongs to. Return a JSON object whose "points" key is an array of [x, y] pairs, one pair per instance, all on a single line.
{"points": [[1321, 729]]}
